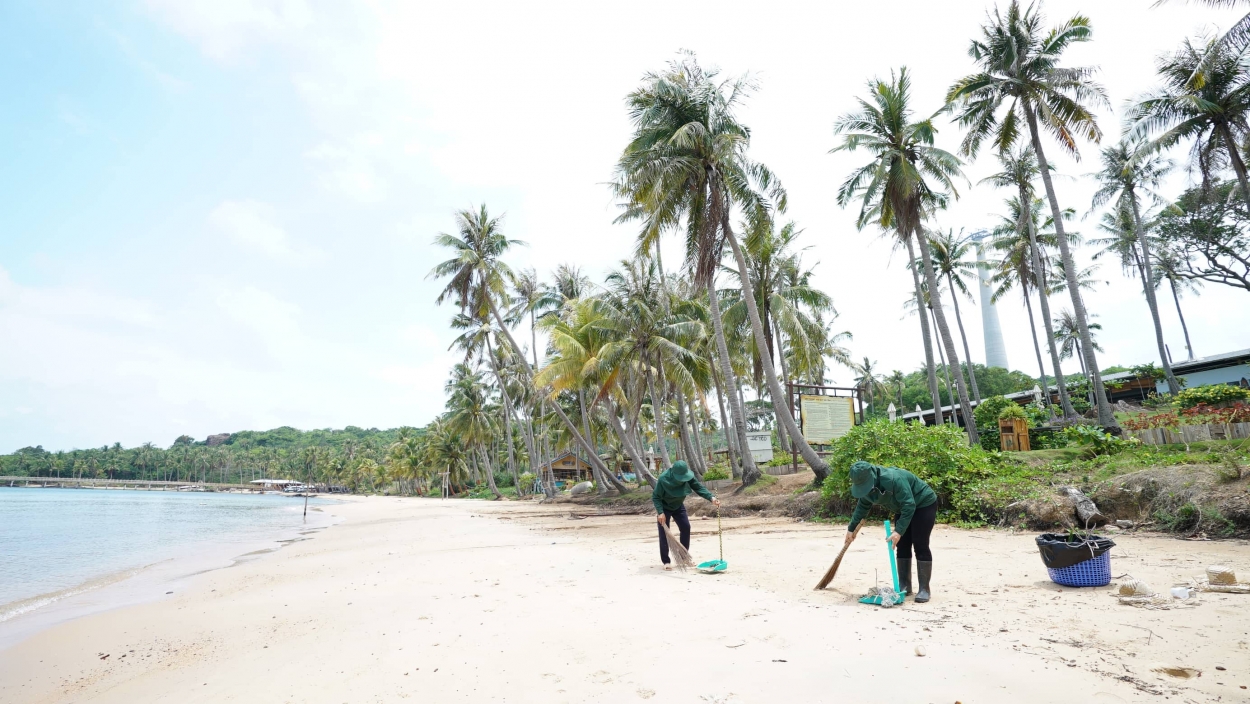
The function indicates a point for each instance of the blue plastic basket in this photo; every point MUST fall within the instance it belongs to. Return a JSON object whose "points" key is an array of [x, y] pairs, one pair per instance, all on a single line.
{"points": [[1095, 572]]}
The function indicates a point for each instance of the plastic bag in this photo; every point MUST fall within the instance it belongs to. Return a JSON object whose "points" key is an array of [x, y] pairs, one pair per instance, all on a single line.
{"points": [[1060, 551]]}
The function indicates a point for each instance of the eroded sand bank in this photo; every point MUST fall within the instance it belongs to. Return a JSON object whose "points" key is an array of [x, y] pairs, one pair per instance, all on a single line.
{"points": [[466, 601]]}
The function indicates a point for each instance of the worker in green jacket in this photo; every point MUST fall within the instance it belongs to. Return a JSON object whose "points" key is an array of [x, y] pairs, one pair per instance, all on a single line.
{"points": [[914, 507], [669, 499]]}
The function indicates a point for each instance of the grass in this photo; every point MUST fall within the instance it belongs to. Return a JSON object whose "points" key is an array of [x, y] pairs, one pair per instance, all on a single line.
{"points": [[765, 481]]}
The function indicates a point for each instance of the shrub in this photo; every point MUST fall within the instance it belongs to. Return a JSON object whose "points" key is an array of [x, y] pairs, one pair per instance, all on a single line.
{"points": [[1096, 441], [940, 455], [1211, 395], [503, 479], [716, 471], [527, 481], [987, 412], [1014, 412]]}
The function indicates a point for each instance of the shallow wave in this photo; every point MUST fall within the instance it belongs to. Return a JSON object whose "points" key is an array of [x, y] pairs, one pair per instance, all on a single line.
{"points": [[25, 606]]}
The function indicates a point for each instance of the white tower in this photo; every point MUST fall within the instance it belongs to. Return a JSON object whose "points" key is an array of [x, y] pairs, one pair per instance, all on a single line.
{"points": [[995, 349]]}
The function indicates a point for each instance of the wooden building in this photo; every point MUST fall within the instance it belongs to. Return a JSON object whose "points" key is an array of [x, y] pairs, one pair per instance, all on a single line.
{"points": [[568, 467]]}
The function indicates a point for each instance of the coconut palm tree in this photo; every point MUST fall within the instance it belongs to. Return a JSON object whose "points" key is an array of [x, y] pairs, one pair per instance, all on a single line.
{"points": [[895, 192], [787, 301], [867, 379], [1022, 78], [950, 256], [687, 168], [1130, 172], [1235, 41], [1069, 337], [1214, 114], [1019, 171], [477, 280], [1168, 262]]}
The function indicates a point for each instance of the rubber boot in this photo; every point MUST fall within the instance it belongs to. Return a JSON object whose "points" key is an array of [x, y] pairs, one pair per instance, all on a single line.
{"points": [[924, 570], [904, 577]]}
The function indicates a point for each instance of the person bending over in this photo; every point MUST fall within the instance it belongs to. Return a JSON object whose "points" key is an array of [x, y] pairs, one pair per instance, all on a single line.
{"points": [[669, 499], [914, 506]]}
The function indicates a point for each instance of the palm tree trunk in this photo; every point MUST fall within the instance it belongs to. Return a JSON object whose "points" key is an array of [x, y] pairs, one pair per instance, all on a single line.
{"points": [[750, 473], [1149, 283], [944, 333], [946, 371], [1043, 300], [507, 416], [695, 435], [1041, 368], [930, 369], [490, 471], [635, 457], [1106, 417], [819, 467], [683, 435], [1177, 299], [657, 411], [568, 423], [786, 444], [972, 373], [600, 486], [1234, 156], [730, 449]]}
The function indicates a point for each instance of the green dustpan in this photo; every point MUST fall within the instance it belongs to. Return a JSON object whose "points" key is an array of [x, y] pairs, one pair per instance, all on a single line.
{"points": [[714, 566], [898, 592]]}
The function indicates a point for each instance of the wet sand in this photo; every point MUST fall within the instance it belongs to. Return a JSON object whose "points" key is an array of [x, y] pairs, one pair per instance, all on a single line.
{"points": [[468, 601]]}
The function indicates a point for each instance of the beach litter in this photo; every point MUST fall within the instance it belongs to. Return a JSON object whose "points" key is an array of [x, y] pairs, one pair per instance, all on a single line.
{"points": [[1220, 578], [1134, 592], [886, 596]]}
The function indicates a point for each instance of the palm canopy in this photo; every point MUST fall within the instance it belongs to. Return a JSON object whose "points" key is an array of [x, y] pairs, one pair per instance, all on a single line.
{"points": [[476, 270], [687, 164], [787, 301], [1214, 115], [950, 259], [1020, 72], [894, 188]]}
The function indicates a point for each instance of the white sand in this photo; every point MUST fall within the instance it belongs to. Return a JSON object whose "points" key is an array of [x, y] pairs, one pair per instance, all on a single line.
{"points": [[465, 601]]}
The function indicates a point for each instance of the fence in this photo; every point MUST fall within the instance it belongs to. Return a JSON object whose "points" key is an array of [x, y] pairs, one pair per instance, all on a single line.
{"points": [[1192, 433]]}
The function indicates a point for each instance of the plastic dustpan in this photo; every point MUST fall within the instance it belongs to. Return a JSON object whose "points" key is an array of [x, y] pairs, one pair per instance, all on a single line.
{"points": [[714, 566], [898, 592]]}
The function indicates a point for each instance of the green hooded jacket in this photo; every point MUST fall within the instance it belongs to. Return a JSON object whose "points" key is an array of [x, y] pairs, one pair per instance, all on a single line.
{"points": [[896, 490], [674, 485]]}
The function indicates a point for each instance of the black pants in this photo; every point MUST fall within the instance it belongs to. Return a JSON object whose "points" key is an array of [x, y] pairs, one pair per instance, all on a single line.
{"points": [[683, 527], [918, 535]]}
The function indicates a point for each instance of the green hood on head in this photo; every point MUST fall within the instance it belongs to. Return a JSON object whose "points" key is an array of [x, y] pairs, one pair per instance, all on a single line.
{"points": [[863, 478], [680, 472]]}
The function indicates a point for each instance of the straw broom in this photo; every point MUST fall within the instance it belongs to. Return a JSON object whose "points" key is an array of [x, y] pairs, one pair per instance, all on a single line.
{"points": [[833, 569], [681, 556]]}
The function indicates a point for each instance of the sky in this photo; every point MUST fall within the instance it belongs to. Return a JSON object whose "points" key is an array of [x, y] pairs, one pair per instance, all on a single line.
{"points": [[217, 215]]}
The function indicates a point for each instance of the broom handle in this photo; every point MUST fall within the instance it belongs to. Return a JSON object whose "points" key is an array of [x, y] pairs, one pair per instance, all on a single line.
{"points": [[893, 561], [719, 535]]}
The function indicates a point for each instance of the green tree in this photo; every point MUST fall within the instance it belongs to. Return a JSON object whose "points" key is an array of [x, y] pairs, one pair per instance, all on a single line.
{"points": [[1130, 172], [687, 164], [895, 192], [951, 258], [477, 280], [1213, 114], [1021, 76]]}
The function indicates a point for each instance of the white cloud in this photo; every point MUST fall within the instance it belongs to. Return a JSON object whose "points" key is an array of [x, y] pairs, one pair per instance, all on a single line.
{"points": [[254, 225], [224, 28]]}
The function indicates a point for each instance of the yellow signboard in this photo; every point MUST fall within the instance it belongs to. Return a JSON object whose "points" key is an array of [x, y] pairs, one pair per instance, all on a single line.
{"points": [[826, 418]]}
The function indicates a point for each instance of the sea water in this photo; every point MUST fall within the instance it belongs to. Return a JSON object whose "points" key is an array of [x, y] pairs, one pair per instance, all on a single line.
{"points": [[57, 544]]}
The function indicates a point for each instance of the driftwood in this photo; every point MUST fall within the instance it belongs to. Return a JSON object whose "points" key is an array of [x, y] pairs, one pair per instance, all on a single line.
{"points": [[1087, 513]]}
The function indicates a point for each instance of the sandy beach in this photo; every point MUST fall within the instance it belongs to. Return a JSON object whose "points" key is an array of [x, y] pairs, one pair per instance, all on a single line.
{"points": [[470, 601]]}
